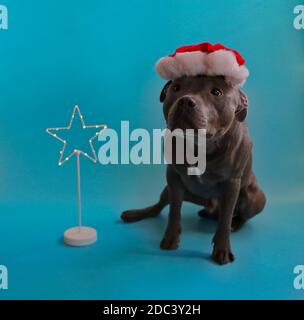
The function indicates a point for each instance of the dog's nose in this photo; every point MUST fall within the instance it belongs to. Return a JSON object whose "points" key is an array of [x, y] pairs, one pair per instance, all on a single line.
{"points": [[187, 102]]}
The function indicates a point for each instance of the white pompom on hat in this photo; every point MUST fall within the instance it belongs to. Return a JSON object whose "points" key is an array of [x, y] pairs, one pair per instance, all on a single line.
{"points": [[204, 59]]}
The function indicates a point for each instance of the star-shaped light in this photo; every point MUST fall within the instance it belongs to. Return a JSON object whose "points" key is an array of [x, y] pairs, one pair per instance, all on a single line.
{"points": [[53, 132]]}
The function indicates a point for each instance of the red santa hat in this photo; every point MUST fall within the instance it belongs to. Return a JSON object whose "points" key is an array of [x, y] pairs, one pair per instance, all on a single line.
{"points": [[204, 59]]}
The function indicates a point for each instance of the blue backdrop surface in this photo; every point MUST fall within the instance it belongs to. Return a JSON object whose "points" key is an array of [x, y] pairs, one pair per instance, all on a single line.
{"points": [[101, 55]]}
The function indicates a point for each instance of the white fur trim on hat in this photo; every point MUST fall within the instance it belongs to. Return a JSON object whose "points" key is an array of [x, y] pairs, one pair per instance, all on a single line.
{"points": [[220, 63]]}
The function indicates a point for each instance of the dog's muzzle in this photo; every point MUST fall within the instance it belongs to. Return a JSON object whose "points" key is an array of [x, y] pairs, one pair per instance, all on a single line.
{"points": [[186, 102]]}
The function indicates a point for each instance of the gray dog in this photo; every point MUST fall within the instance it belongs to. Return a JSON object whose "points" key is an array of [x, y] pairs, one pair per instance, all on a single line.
{"points": [[228, 189]]}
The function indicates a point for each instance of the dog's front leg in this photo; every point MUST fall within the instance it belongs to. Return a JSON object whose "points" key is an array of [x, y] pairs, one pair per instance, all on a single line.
{"points": [[176, 196], [222, 253]]}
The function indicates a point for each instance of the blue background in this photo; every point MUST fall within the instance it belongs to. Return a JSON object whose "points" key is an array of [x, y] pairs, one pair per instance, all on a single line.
{"points": [[101, 55]]}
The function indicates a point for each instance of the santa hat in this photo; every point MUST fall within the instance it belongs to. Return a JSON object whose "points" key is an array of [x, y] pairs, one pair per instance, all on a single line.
{"points": [[204, 59]]}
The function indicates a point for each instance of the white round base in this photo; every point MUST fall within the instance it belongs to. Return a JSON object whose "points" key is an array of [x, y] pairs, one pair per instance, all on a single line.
{"points": [[80, 236]]}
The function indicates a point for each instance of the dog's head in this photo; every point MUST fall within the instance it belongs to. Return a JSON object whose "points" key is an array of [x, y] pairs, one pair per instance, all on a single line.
{"points": [[203, 102]]}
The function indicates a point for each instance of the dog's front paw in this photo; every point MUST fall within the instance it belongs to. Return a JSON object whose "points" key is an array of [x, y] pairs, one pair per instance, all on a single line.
{"points": [[222, 255], [169, 243], [170, 240]]}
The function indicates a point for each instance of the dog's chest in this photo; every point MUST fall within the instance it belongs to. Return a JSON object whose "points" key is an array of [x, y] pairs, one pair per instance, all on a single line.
{"points": [[207, 185]]}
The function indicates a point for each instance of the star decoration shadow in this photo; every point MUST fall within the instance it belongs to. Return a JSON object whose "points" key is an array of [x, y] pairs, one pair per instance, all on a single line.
{"points": [[54, 133]]}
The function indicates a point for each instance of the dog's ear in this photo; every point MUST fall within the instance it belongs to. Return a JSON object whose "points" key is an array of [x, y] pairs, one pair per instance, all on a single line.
{"points": [[242, 108], [163, 93]]}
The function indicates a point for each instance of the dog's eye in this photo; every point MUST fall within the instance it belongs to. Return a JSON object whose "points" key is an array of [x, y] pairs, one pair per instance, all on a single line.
{"points": [[176, 87], [216, 92]]}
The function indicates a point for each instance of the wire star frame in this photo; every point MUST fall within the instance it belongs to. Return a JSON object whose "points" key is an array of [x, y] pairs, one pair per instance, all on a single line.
{"points": [[51, 131], [80, 235]]}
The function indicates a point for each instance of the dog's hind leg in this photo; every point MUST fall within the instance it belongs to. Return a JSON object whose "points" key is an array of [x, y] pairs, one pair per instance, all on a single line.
{"points": [[251, 202], [210, 210], [149, 212]]}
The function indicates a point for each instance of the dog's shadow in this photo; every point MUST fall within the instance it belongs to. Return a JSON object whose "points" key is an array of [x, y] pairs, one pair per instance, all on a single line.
{"points": [[180, 254], [194, 223]]}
